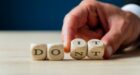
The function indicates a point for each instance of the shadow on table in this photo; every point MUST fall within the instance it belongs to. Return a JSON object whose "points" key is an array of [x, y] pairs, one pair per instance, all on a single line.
{"points": [[132, 53]]}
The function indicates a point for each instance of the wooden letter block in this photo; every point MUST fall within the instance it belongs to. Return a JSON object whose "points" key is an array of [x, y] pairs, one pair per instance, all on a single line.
{"points": [[78, 48], [95, 49], [55, 52], [38, 51]]}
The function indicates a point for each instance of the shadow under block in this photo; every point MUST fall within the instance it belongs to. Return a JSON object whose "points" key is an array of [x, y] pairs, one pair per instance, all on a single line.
{"points": [[55, 52], [95, 49], [39, 51], [78, 49]]}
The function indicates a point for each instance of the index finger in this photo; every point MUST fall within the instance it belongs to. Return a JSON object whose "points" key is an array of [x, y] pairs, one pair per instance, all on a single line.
{"points": [[72, 21]]}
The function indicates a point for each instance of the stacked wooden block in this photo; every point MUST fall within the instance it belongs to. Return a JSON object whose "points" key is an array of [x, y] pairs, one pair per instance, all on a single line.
{"points": [[94, 49]]}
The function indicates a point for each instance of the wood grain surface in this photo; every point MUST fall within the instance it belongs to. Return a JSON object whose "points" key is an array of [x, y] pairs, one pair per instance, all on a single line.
{"points": [[15, 58]]}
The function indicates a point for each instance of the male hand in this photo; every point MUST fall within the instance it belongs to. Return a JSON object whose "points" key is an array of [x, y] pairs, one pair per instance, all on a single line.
{"points": [[96, 20]]}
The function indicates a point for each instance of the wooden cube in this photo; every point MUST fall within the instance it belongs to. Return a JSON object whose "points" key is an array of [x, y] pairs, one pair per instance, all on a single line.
{"points": [[78, 48], [95, 49], [55, 52], [38, 51]]}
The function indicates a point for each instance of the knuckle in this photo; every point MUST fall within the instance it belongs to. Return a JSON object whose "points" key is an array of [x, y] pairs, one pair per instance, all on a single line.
{"points": [[71, 17]]}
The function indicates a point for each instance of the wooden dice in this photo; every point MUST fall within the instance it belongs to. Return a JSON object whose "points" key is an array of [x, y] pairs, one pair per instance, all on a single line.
{"points": [[42, 52], [78, 48], [55, 52], [95, 49], [38, 51]]}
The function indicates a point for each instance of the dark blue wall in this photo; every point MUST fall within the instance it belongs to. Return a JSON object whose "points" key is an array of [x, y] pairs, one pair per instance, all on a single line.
{"points": [[36, 14]]}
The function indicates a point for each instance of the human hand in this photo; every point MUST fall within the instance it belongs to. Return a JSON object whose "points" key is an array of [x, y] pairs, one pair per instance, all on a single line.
{"points": [[92, 19]]}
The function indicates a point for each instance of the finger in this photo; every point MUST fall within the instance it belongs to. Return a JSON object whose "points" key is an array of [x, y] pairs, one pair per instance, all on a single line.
{"points": [[102, 15], [91, 6], [112, 41], [73, 20], [68, 32], [93, 17]]}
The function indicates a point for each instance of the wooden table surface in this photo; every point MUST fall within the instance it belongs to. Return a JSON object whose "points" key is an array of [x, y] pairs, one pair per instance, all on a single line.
{"points": [[15, 58]]}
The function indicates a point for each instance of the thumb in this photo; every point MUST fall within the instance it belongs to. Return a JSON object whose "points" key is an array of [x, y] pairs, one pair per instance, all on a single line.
{"points": [[112, 41]]}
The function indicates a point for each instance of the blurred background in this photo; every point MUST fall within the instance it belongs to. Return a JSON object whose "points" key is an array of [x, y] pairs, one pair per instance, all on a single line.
{"points": [[37, 14]]}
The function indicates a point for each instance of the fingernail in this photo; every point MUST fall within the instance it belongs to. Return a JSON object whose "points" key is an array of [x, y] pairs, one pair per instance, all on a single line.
{"points": [[66, 49]]}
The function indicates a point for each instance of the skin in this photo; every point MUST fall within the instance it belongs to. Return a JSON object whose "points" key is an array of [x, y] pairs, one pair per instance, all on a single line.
{"points": [[92, 19]]}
